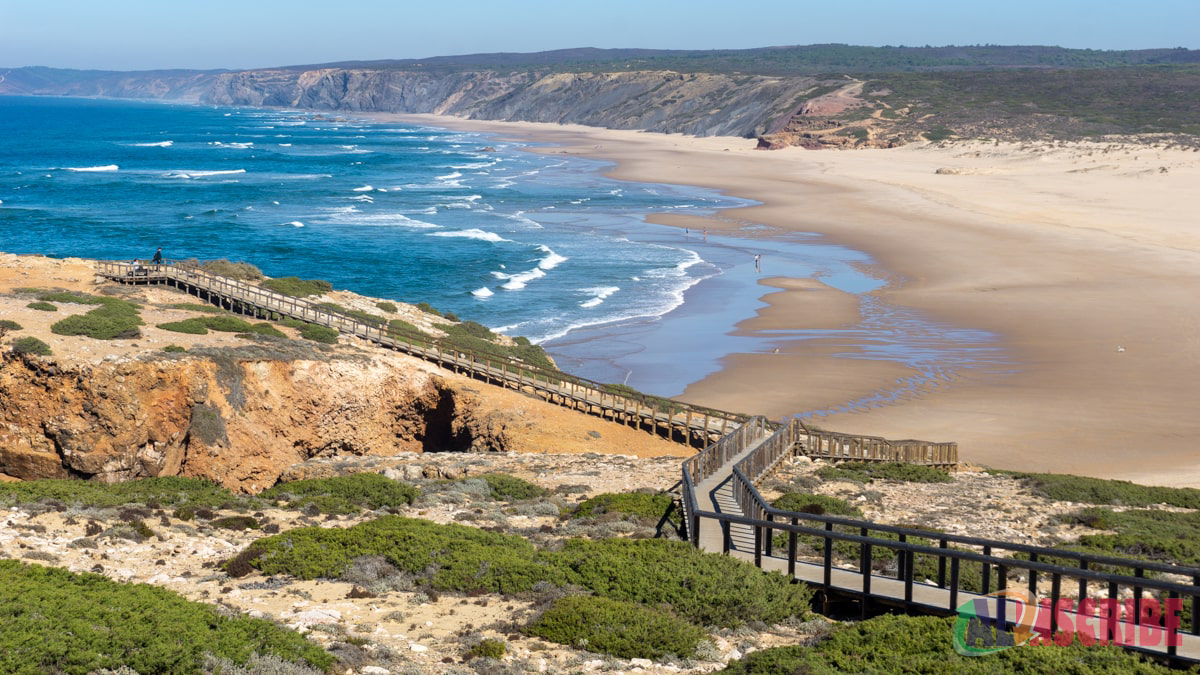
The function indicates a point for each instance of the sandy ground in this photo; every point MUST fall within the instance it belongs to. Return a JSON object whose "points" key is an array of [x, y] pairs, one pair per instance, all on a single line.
{"points": [[1081, 257]]}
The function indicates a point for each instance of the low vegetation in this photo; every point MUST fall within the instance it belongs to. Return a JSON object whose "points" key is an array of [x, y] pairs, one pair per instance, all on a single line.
{"points": [[472, 336], [60, 622], [7, 325], [164, 490], [43, 306], [621, 629], [706, 589], [866, 472], [30, 345], [197, 307], [511, 488], [319, 333], [1161, 536], [243, 271], [297, 287], [347, 493], [643, 508], [388, 307], [112, 319], [803, 502], [1068, 488]]}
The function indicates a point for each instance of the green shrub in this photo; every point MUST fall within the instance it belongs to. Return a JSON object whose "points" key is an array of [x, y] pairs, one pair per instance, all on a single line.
{"points": [[174, 349], [59, 622], [622, 629], [188, 326], [640, 507], [70, 297], [803, 502], [402, 325], [297, 287], [266, 329], [1163, 536], [488, 648], [1068, 488], [328, 504], [236, 270], [428, 309], [43, 306], [923, 644], [534, 355], [447, 557], [30, 345], [388, 307], [450, 316], [225, 324], [939, 133], [866, 472], [113, 319], [165, 490], [369, 490], [511, 488], [7, 325], [319, 333], [469, 328], [704, 588], [292, 323], [235, 523], [197, 307]]}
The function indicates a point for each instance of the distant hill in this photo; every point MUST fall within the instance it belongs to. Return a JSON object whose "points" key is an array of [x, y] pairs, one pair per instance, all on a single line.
{"points": [[814, 95]]}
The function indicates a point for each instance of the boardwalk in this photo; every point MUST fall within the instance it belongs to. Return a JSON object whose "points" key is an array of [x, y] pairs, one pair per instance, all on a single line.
{"points": [[688, 424], [725, 514]]}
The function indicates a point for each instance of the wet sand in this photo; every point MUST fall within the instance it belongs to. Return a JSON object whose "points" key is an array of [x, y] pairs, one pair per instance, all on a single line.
{"points": [[1084, 260]]}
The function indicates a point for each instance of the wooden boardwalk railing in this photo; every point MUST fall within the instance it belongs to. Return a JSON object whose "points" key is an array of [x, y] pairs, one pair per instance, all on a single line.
{"points": [[689, 424], [841, 556]]}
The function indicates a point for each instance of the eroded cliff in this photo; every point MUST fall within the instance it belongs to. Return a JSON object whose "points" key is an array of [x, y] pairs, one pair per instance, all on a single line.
{"points": [[236, 416]]}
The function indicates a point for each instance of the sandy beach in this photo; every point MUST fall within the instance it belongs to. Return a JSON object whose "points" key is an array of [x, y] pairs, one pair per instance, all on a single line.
{"points": [[1083, 258]]}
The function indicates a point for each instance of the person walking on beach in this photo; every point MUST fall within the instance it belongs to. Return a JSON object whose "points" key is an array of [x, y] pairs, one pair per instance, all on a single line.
{"points": [[757, 262], [157, 260]]}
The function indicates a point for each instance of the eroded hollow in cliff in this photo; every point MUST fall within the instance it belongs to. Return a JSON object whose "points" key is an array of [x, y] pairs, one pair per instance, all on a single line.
{"points": [[443, 419]]}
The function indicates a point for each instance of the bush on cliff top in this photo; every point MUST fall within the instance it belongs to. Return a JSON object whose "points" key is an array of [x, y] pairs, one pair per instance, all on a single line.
{"points": [[639, 507], [114, 319], [166, 490], [704, 588], [623, 629], [866, 472], [1085, 490], [319, 333], [297, 287], [30, 345], [57, 621], [366, 490]]}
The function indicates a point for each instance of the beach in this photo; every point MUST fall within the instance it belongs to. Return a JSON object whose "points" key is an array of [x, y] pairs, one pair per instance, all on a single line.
{"points": [[1081, 257]]}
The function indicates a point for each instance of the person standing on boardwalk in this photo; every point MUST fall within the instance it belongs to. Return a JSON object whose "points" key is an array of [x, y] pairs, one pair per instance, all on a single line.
{"points": [[157, 260]]}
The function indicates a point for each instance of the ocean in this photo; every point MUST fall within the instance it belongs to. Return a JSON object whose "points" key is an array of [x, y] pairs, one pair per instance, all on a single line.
{"points": [[540, 245]]}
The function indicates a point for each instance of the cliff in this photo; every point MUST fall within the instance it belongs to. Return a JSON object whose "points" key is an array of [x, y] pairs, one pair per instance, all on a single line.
{"points": [[697, 104], [240, 410]]}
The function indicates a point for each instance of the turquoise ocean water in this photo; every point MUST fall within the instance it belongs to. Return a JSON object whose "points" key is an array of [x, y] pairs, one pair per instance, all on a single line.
{"points": [[538, 245]]}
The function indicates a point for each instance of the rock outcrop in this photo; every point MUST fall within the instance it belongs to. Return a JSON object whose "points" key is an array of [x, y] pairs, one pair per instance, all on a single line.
{"points": [[237, 417]]}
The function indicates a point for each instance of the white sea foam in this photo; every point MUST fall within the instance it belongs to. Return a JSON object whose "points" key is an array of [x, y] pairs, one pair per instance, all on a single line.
{"points": [[483, 292], [160, 144], [473, 233], [519, 217], [285, 145], [188, 173], [518, 281], [235, 145], [362, 198], [365, 188], [93, 169], [295, 223], [551, 260], [599, 295]]}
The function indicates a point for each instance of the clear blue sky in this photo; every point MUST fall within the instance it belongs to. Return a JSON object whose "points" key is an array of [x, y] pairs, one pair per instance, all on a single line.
{"points": [[144, 34]]}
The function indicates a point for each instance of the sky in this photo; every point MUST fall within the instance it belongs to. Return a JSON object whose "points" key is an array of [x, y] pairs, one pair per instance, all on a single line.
{"points": [[238, 34]]}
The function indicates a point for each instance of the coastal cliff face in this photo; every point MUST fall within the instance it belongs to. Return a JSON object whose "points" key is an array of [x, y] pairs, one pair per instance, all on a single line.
{"points": [[235, 419], [663, 101]]}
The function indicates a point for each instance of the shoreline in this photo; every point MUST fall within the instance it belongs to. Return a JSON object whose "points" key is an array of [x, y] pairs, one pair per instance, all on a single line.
{"points": [[1079, 256]]}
